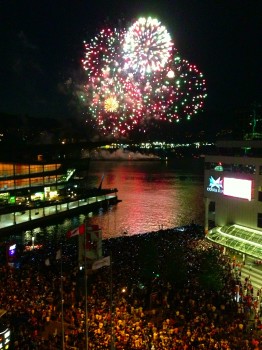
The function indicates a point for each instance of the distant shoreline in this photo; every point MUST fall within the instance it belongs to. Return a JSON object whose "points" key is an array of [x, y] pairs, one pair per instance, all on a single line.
{"points": [[126, 160]]}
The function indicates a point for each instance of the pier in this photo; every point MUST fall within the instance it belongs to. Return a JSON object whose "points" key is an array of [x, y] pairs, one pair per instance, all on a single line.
{"points": [[26, 218]]}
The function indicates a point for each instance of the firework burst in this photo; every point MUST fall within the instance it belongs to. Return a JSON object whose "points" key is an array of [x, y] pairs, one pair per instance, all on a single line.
{"points": [[135, 78], [147, 46], [102, 54], [189, 90], [115, 104]]}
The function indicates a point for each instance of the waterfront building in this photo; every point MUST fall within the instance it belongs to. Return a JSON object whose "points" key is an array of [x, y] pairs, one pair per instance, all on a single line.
{"points": [[233, 196], [38, 190]]}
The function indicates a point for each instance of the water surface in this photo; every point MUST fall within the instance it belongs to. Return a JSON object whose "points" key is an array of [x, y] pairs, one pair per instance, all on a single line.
{"points": [[153, 194]]}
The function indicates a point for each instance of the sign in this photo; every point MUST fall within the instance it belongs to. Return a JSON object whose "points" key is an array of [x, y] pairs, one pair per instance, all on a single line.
{"points": [[215, 185], [230, 186]]}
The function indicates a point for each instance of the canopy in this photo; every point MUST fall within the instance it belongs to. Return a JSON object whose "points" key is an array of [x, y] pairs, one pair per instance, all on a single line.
{"points": [[240, 238]]}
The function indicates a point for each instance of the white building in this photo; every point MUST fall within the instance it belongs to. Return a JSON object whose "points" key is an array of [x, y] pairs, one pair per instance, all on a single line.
{"points": [[233, 196]]}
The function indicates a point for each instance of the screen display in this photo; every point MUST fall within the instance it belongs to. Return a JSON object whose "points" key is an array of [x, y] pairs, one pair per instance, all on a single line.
{"points": [[238, 188]]}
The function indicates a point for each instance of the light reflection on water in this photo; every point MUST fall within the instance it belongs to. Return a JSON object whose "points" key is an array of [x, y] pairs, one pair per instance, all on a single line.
{"points": [[154, 195]]}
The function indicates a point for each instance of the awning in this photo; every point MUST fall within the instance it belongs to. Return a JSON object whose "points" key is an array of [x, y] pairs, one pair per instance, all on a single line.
{"points": [[240, 238]]}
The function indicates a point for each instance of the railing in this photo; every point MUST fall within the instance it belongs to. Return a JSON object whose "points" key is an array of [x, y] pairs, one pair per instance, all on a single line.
{"points": [[31, 214]]}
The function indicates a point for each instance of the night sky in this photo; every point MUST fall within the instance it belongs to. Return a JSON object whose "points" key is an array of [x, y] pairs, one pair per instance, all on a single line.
{"points": [[42, 45]]}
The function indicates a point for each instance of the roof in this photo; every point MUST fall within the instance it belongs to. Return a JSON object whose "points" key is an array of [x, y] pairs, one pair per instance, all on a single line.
{"points": [[243, 239]]}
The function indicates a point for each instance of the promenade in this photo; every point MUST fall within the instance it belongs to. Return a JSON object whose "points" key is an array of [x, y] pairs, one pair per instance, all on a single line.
{"points": [[253, 272]]}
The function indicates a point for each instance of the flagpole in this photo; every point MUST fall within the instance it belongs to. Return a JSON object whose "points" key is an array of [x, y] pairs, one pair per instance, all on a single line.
{"points": [[62, 301], [111, 306], [86, 318]]}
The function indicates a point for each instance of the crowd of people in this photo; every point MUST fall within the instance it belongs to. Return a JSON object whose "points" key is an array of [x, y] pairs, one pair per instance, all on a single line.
{"points": [[126, 307]]}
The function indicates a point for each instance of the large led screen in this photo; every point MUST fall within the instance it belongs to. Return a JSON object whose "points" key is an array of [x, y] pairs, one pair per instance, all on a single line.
{"points": [[238, 188]]}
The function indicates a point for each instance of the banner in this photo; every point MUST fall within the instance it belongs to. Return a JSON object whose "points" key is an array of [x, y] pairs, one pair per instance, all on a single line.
{"points": [[80, 230], [93, 242], [95, 229], [90, 245], [101, 262]]}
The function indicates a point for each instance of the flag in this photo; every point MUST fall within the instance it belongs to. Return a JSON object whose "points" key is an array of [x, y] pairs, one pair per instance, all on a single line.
{"points": [[47, 262], [58, 254], [101, 262], [80, 230]]}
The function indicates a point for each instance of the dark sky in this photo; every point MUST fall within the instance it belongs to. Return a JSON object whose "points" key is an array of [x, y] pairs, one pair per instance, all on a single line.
{"points": [[41, 46]]}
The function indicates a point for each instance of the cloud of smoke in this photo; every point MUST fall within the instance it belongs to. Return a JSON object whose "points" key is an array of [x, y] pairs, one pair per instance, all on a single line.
{"points": [[119, 154]]}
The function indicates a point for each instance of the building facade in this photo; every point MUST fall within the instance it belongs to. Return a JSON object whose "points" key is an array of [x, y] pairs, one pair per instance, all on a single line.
{"points": [[233, 196], [38, 191]]}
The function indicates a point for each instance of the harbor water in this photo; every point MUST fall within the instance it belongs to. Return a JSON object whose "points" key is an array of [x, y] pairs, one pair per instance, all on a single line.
{"points": [[153, 195]]}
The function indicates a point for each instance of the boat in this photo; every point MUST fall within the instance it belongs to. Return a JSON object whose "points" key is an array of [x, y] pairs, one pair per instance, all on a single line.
{"points": [[37, 191]]}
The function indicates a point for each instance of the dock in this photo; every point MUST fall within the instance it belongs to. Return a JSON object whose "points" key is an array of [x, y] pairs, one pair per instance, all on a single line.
{"points": [[26, 218]]}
